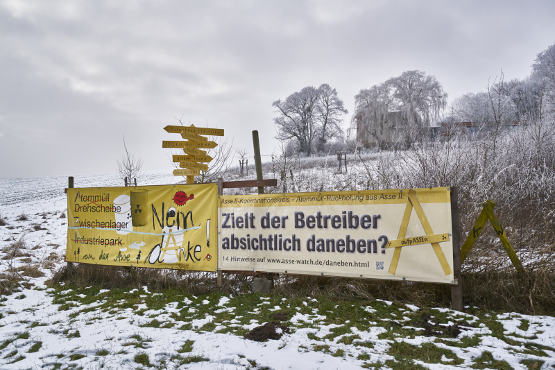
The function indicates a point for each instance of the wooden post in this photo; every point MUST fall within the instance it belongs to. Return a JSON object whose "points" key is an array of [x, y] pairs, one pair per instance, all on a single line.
{"points": [[69, 265], [219, 276], [135, 182], [190, 179], [257, 159], [456, 290], [125, 181]]}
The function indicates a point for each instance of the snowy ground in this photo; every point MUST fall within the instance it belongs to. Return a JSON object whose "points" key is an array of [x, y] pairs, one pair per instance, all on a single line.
{"points": [[63, 327]]}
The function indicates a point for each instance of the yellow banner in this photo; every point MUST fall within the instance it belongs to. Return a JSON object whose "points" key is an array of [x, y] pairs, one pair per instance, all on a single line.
{"points": [[169, 226]]}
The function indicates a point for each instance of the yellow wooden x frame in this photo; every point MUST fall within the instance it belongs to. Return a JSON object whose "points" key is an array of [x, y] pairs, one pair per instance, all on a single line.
{"points": [[488, 214], [430, 237]]}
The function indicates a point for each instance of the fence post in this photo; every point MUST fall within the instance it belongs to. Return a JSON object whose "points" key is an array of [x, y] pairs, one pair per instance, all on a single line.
{"points": [[456, 290], [219, 276]]}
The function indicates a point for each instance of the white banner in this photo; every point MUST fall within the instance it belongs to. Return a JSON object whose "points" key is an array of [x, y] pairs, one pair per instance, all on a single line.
{"points": [[389, 234]]}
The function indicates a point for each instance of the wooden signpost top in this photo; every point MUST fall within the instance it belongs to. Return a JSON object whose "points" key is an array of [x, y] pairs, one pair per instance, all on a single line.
{"points": [[194, 141]]}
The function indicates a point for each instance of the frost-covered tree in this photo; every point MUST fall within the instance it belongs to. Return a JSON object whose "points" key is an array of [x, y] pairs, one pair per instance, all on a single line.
{"points": [[371, 109], [544, 74], [311, 116], [472, 108], [528, 97], [544, 66], [418, 97]]}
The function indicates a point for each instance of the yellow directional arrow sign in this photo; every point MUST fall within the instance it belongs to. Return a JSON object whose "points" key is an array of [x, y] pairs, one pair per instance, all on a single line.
{"points": [[174, 129], [194, 165], [194, 158], [174, 144], [203, 130], [195, 137], [199, 144], [184, 172], [194, 151]]}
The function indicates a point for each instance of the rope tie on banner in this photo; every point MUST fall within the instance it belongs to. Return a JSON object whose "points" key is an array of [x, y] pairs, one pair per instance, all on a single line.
{"points": [[429, 238]]}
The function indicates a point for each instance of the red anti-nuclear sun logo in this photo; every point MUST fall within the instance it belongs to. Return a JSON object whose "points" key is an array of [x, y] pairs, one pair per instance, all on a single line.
{"points": [[180, 198]]}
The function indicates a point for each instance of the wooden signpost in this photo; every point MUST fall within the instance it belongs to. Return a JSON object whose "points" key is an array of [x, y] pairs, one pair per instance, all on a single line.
{"points": [[193, 140]]}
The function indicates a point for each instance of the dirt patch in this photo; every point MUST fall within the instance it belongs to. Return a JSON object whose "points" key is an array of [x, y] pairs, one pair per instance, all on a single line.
{"points": [[270, 330], [280, 316], [436, 329]]}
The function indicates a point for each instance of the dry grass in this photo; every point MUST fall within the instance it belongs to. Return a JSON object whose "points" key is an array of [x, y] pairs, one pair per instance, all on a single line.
{"points": [[32, 271], [10, 281], [15, 250], [22, 217], [135, 277]]}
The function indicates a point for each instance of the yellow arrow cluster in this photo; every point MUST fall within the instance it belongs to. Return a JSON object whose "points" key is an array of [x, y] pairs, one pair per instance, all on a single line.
{"points": [[193, 140]]}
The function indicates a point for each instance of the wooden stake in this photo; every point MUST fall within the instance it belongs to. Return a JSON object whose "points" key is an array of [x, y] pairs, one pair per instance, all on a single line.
{"points": [[219, 276], [456, 290]]}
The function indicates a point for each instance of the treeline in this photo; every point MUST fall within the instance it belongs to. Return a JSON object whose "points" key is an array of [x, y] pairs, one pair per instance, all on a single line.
{"points": [[310, 120]]}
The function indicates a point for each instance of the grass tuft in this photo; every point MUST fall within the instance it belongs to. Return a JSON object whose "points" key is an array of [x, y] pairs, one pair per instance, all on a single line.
{"points": [[35, 347], [142, 358]]}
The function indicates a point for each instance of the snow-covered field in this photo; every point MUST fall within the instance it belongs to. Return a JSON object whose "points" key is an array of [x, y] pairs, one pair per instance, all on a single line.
{"points": [[64, 327]]}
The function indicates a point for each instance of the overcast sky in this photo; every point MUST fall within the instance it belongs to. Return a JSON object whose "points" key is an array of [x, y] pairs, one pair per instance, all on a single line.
{"points": [[76, 76]]}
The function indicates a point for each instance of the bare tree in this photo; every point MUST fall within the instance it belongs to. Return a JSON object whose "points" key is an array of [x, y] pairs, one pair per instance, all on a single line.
{"points": [[329, 110], [312, 114], [129, 168], [296, 120], [243, 161], [222, 156]]}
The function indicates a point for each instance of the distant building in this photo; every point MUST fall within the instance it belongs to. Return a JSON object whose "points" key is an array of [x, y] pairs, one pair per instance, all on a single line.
{"points": [[392, 130], [388, 130], [448, 129]]}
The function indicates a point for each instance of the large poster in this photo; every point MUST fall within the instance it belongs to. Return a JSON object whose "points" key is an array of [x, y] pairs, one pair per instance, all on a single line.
{"points": [[386, 234], [169, 226]]}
